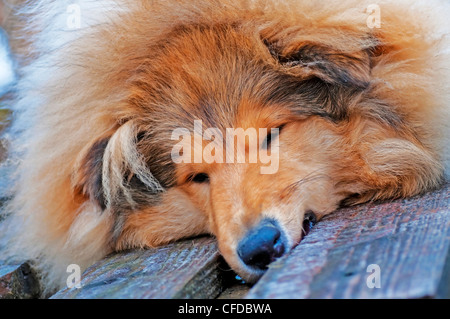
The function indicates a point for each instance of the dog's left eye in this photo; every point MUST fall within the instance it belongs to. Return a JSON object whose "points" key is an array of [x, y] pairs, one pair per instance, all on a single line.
{"points": [[200, 178]]}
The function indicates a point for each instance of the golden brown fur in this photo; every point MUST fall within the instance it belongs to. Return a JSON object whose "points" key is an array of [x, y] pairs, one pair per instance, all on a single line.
{"points": [[364, 114]]}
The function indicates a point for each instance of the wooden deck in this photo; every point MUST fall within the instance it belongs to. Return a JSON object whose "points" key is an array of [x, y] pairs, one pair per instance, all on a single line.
{"points": [[408, 241]]}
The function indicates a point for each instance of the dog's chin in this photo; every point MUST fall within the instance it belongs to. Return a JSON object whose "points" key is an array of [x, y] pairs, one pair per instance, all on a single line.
{"points": [[250, 275]]}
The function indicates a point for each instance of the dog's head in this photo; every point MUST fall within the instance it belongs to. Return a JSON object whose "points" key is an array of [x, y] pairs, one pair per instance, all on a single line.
{"points": [[330, 134]]}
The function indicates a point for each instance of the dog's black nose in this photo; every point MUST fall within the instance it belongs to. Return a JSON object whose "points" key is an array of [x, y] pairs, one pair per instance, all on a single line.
{"points": [[262, 245]]}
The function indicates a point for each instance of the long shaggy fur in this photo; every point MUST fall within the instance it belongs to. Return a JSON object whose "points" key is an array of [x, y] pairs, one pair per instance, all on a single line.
{"points": [[95, 107]]}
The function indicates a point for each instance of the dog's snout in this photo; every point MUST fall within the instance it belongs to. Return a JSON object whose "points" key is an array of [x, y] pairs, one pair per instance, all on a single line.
{"points": [[262, 245]]}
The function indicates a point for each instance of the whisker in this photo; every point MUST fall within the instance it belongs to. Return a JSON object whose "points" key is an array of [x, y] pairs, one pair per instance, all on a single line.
{"points": [[313, 176]]}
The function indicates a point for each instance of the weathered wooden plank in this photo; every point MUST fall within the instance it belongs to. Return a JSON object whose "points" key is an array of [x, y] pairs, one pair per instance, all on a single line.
{"points": [[444, 286], [187, 269], [408, 239], [236, 291]]}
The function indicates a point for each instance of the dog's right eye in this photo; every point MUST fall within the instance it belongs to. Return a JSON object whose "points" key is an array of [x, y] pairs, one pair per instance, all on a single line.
{"points": [[200, 178], [266, 143]]}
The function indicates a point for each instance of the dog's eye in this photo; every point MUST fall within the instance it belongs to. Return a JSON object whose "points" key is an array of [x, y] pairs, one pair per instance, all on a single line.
{"points": [[200, 178], [272, 135], [309, 222]]}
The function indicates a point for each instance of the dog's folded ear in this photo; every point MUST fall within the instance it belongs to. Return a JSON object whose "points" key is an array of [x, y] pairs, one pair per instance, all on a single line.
{"points": [[112, 172], [331, 65], [87, 176]]}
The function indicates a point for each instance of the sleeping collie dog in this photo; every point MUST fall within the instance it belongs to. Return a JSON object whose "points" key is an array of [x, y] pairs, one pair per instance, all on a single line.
{"points": [[349, 99]]}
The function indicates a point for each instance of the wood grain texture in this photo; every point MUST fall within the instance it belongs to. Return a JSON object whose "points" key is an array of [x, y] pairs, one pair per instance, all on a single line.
{"points": [[187, 269], [408, 239]]}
